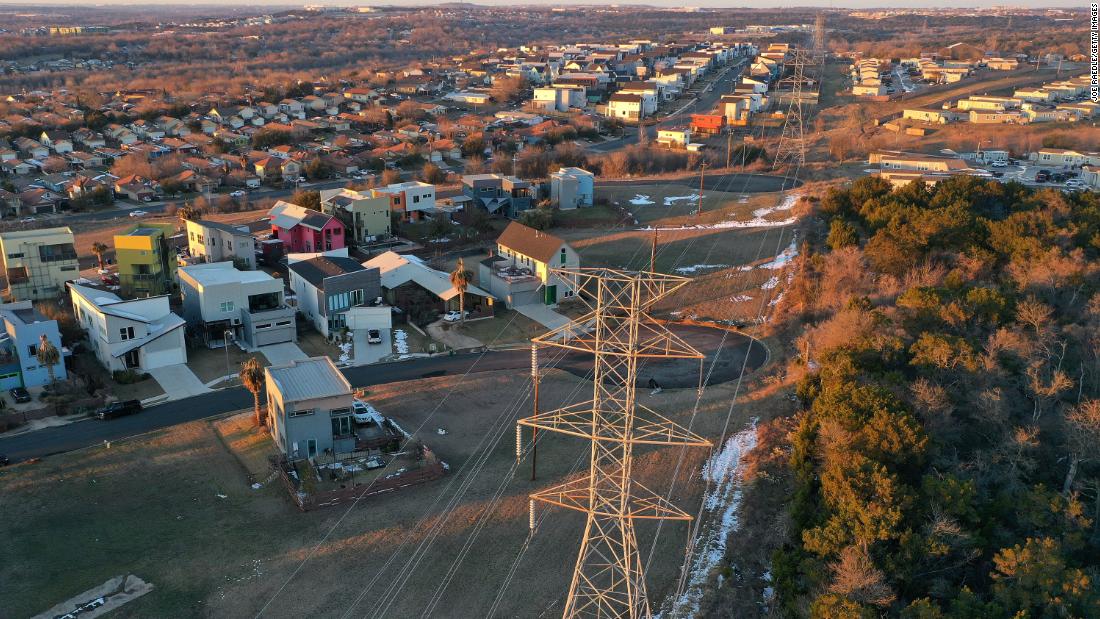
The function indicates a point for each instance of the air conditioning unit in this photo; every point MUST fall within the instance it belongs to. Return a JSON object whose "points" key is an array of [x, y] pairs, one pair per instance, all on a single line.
{"points": [[236, 321]]}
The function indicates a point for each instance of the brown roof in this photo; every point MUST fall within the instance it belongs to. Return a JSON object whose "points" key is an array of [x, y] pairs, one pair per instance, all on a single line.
{"points": [[539, 245]]}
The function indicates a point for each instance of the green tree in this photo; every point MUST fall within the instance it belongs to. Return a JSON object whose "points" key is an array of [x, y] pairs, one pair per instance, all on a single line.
{"points": [[308, 199], [48, 355], [252, 377], [1034, 579], [842, 234]]}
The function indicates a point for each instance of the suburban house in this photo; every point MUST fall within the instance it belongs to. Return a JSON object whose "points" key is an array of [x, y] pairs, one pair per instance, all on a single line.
{"points": [[24, 327], [146, 261], [892, 160], [519, 272], [365, 217], [218, 299], [139, 334], [37, 263], [1064, 157], [498, 194], [410, 200], [309, 406], [625, 106], [419, 290], [571, 188], [326, 287], [213, 241], [304, 230]]}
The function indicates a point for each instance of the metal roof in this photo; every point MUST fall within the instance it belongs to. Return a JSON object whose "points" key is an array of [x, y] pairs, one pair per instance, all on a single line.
{"points": [[309, 379]]}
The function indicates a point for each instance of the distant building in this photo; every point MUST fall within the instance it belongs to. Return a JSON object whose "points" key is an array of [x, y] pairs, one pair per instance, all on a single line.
{"points": [[305, 230], [309, 408], [572, 188], [37, 263], [411, 200], [498, 194], [249, 305], [24, 327], [146, 263], [892, 160], [213, 241]]}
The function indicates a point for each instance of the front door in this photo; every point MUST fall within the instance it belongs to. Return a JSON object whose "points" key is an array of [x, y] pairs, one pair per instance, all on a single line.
{"points": [[132, 359], [551, 295], [311, 447]]}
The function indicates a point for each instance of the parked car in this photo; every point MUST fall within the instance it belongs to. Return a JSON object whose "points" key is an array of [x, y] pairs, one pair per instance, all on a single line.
{"points": [[999, 164], [238, 194], [119, 409], [997, 174], [20, 395], [362, 412], [1042, 177], [138, 213], [109, 279], [374, 462], [454, 316], [373, 336], [1075, 182]]}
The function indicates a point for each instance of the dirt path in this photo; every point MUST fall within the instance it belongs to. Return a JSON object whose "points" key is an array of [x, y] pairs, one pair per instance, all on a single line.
{"points": [[451, 336]]}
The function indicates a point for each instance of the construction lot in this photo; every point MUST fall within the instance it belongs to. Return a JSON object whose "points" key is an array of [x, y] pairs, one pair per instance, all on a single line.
{"points": [[174, 509]]}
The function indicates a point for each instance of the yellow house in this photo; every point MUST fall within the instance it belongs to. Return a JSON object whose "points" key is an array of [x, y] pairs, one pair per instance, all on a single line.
{"points": [[146, 263], [37, 263]]}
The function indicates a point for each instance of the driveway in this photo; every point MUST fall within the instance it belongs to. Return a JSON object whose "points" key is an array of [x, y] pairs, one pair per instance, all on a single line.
{"points": [[282, 354], [543, 315], [451, 336], [370, 353], [178, 381]]}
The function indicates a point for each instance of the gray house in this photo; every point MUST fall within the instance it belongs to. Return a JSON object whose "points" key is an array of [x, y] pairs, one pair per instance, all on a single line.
{"points": [[326, 287], [499, 195], [309, 406], [213, 241], [24, 327], [249, 305]]}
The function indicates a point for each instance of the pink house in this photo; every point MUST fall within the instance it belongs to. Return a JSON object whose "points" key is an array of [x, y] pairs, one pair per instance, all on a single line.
{"points": [[304, 230]]}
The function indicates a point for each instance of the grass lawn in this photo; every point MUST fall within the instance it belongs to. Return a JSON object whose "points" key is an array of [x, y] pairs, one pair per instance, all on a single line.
{"points": [[173, 508], [86, 363], [510, 327], [586, 216], [250, 445], [314, 344], [209, 363], [416, 341]]}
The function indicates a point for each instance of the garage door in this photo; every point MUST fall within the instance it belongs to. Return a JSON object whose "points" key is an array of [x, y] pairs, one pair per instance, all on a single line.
{"points": [[525, 298]]}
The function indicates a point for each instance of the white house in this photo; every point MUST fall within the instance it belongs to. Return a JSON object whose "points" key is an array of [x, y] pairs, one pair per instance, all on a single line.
{"points": [[139, 334], [248, 305], [571, 188], [214, 242]]}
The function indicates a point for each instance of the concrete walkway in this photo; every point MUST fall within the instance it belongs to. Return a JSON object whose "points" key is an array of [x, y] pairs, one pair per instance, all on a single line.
{"points": [[370, 353], [178, 381], [281, 354], [546, 317]]}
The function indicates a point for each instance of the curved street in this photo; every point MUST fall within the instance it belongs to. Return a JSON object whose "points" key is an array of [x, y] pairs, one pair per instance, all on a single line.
{"points": [[725, 350]]}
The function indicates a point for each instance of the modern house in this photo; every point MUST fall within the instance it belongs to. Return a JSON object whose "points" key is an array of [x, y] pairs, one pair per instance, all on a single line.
{"points": [[519, 272], [24, 327], [365, 217], [212, 241], [572, 188], [249, 306], [410, 200], [326, 287], [498, 194], [305, 230], [146, 262], [37, 263], [418, 290], [309, 406], [139, 334]]}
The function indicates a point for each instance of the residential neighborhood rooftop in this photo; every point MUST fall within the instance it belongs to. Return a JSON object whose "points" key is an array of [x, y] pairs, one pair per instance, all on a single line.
{"points": [[309, 379]]}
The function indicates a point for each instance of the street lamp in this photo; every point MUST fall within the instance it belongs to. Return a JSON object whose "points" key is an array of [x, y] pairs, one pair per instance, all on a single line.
{"points": [[227, 334]]}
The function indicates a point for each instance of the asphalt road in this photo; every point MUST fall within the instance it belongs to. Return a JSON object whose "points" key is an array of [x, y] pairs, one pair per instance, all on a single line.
{"points": [[669, 374], [704, 102]]}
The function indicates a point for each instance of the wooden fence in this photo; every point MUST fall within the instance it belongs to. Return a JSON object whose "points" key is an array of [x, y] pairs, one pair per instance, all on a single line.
{"points": [[433, 469]]}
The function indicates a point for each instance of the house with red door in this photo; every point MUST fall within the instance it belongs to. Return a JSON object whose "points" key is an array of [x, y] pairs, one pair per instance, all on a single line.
{"points": [[304, 230]]}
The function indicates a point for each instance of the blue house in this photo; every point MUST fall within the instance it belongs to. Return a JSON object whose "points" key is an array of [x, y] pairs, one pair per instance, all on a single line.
{"points": [[23, 329]]}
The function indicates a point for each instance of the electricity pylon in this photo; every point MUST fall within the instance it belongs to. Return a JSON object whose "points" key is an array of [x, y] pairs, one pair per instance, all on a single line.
{"points": [[608, 578], [792, 141], [819, 41]]}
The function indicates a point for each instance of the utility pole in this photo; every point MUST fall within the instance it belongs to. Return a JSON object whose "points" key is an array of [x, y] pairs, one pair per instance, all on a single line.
{"points": [[699, 201], [729, 148], [535, 431], [653, 252], [609, 575]]}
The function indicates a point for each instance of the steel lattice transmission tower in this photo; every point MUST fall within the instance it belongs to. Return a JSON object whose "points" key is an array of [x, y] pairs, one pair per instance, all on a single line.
{"points": [[608, 579], [792, 141], [819, 40]]}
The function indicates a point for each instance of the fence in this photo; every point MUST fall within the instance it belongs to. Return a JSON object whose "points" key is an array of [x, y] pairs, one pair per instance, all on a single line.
{"points": [[18, 418]]}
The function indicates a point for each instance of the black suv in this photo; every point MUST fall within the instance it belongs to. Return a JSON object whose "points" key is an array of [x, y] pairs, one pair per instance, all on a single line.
{"points": [[119, 409]]}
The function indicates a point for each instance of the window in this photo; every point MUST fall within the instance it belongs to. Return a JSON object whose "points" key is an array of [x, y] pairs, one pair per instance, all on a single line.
{"points": [[230, 244], [282, 323], [303, 412], [416, 199], [226, 306], [563, 255], [16, 255], [341, 422], [127, 333], [266, 325], [32, 351]]}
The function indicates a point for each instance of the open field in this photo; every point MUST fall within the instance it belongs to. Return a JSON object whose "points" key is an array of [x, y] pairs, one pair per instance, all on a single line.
{"points": [[510, 327], [173, 509]]}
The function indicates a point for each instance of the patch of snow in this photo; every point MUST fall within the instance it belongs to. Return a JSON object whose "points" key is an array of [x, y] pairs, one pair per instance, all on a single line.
{"points": [[786, 204], [725, 472], [221, 496], [699, 267], [641, 200], [345, 352], [445, 239], [441, 432], [400, 342], [782, 261], [771, 283], [257, 486], [741, 298], [672, 200]]}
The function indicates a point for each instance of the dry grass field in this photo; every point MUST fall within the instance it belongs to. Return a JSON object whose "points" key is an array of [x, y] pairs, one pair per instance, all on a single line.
{"points": [[173, 508]]}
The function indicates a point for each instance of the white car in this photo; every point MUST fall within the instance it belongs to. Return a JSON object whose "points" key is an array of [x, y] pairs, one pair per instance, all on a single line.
{"points": [[1075, 182], [138, 213], [363, 412], [454, 316], [374, 336], [999, 164], [238, 194]]}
